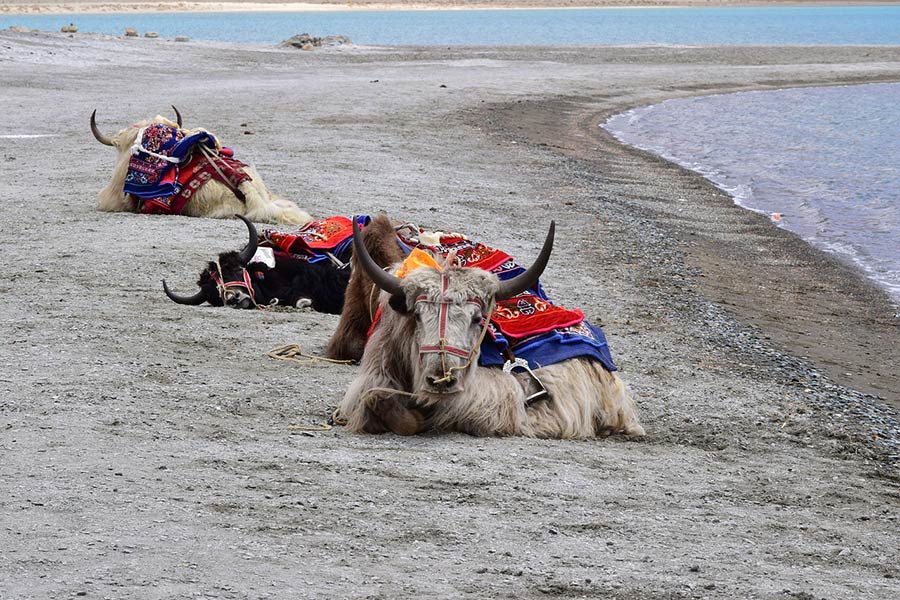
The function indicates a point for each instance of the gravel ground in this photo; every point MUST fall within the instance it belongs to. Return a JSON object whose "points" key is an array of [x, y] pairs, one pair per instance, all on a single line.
{"points": [[146, 449]]}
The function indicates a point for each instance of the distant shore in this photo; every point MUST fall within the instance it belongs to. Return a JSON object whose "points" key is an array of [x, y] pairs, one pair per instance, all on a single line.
{"points": [[93, 6]]}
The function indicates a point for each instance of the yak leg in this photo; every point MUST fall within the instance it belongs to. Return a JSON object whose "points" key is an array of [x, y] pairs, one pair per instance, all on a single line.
{"points": [[390, 413], [366, 410]]}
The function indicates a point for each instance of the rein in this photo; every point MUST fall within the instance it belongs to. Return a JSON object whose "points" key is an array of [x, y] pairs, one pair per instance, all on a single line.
{"points": [[211, 159]]}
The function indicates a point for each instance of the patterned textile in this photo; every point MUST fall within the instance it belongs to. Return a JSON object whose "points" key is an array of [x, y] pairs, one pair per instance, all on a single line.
{"points": [[191, 177], [333, 235], [528, 325], [159, 175]]}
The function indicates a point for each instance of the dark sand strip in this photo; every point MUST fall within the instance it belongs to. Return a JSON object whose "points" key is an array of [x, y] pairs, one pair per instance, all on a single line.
{"points": [[804, 300]]}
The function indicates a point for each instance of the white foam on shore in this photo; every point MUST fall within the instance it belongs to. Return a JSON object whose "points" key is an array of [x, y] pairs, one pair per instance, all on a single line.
{"points": [[625, 127]]}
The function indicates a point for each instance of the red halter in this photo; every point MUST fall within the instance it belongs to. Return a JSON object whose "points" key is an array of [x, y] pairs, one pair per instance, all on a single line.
{"points": [[223, 286], [443, 348]]}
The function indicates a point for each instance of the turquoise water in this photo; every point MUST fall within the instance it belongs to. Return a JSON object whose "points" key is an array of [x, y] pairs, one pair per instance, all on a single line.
{"points": [[824, 160], [875, 25]]}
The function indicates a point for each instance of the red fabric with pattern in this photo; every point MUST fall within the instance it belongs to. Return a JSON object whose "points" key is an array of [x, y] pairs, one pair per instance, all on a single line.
{"points": [[314, 237], [191, 177], [526, 315]]}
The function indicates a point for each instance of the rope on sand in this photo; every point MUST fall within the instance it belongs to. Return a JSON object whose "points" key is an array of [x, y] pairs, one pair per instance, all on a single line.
{"points": [[291, 352]]}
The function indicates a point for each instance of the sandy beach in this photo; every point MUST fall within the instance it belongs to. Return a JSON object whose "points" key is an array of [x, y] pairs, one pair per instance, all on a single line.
{"points": [[146, 446]]}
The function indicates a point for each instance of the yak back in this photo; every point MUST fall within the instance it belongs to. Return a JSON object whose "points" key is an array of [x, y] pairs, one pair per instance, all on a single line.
{"points": [[293, 279]]}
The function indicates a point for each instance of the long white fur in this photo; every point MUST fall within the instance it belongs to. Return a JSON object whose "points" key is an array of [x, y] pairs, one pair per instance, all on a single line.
{"points": [[213, 200], [586, 399]]}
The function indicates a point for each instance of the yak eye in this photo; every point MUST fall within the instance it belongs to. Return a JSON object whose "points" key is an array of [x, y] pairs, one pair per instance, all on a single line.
{"points": [[476, 319]]}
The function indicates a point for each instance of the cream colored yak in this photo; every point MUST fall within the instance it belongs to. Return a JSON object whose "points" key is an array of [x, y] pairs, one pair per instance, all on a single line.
{"points": [[214, 199], [420, 367]]}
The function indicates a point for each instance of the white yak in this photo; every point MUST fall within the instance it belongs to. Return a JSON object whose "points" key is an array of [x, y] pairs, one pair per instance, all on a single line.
{"points": [[214, 199]]}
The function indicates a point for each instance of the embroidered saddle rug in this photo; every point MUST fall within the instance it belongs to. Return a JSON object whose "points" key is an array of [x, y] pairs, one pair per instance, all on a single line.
{"points": [[316, 239], [528, 326], [164, 172]]}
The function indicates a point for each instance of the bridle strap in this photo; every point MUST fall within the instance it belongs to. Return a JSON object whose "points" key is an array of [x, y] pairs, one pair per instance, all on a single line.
{"points": [[442, 348], [224, 285]]}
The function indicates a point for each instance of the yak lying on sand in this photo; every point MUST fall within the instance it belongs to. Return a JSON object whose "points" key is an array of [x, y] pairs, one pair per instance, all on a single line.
{"points": [[238, 281], [420, 367], [162, 168]]}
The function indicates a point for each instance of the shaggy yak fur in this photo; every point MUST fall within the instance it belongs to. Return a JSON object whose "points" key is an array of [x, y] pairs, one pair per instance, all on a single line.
{"points": [[361, 298], [292, 282], [403, 390], [214, 199]]}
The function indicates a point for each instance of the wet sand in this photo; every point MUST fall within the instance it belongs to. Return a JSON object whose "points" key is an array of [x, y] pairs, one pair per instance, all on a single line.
{"points": [[146, 446]]}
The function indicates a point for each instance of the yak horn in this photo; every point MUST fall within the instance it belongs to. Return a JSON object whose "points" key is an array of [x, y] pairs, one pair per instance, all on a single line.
{"points": [[194, 300], [250, 250], [520, 283], [177, 116], [96, 131], [383, 280]]}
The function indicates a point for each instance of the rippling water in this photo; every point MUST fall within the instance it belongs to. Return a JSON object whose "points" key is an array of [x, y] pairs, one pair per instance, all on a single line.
{"points": [[875, 25], [824, 160]]}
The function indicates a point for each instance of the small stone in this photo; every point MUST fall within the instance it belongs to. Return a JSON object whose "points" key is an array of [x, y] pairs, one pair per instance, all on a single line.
{"points": [[70, 28], [151, 34], [182, 38], [131, 32]]}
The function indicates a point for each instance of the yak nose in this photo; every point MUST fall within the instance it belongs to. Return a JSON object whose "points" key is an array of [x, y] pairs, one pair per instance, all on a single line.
{"points": [[441, 383]]}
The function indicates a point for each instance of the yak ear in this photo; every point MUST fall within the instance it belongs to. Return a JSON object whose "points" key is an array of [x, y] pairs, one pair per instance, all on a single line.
{"points": [[398, 303]]}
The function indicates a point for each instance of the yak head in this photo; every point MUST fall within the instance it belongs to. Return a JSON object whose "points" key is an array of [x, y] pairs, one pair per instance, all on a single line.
{"points": [[450, 308], [113, 197], [225, 282]]}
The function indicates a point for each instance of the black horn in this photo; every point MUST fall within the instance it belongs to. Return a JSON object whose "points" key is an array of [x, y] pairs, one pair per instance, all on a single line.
{"points": [[96, 131], [194, 300], [250, 250], [383, 280], [519, 284], [177, 116]]}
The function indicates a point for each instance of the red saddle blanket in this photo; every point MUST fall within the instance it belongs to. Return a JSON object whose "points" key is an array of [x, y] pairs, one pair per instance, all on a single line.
{"points": [[332, 235], [192, 176], [528, 314]]}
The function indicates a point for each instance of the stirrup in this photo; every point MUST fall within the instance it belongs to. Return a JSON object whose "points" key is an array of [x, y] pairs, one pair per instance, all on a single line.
{"points": [[521, 363]]}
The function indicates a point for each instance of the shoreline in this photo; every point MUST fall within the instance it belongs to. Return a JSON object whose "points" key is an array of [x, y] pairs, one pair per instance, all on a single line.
{"points": [[855, 346], [853, 261], [27, 8]]}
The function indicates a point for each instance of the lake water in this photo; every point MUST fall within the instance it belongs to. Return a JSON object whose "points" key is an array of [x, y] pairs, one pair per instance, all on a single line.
{"points": [[876, 25], [824, 160]]}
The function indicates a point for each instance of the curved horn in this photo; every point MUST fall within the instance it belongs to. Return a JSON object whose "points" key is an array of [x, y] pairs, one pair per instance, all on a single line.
{"points": [[96, 131], [520, 283], [248, 252], [194, 300], [177, 116], [383, 280]]}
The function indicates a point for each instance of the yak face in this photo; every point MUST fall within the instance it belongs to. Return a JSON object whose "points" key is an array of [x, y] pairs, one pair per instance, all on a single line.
{"points": [[234, 287], [450, 308]]}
